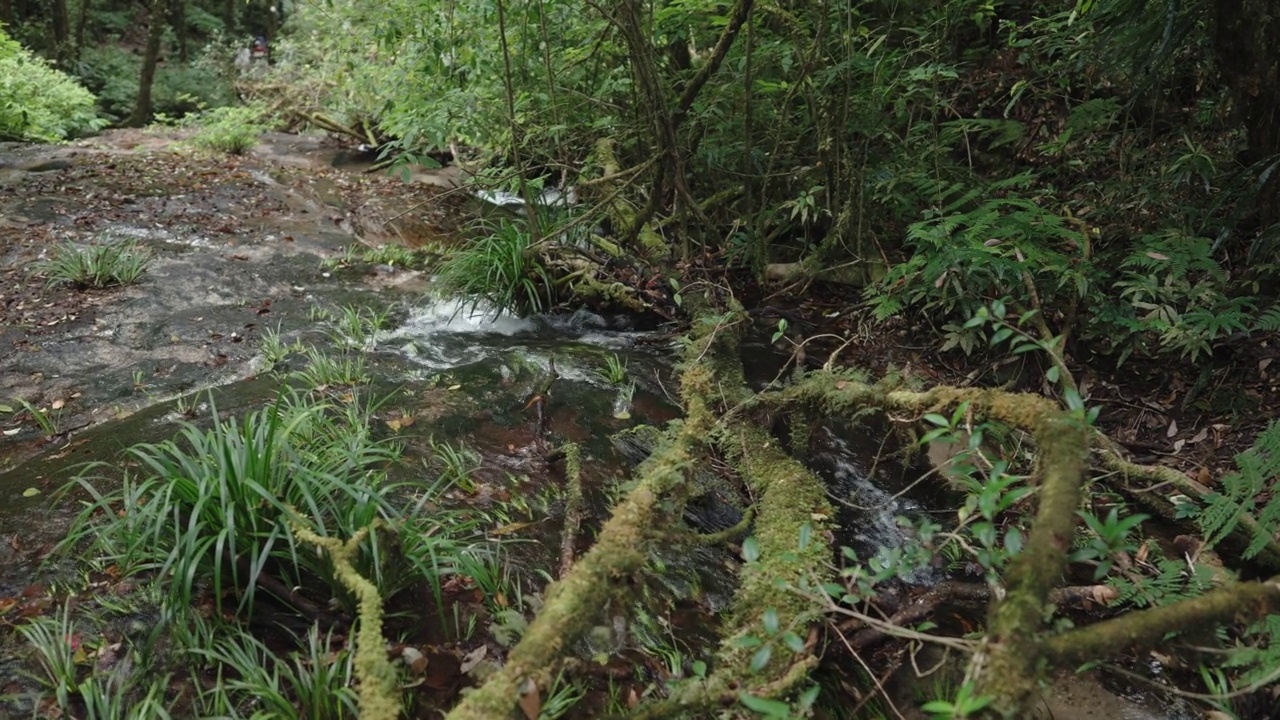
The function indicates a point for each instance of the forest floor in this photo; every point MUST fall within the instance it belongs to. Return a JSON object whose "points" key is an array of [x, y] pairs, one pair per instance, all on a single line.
{"points": [[269, 215], [1194, 416]]}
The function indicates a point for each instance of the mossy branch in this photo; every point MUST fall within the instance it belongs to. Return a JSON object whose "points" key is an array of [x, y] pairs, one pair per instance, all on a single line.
{"points": [[1153, 475], [379, 685], [622, 547], [573, 505], [1011, 664], [1146, 629]]}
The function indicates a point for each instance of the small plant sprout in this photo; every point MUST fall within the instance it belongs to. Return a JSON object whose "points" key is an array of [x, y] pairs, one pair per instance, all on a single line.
{"points": [[614, 371], [274, 349], [780, 332], [359, 326], [44, 418], [99, 265], [456, 464], [324, 370]]}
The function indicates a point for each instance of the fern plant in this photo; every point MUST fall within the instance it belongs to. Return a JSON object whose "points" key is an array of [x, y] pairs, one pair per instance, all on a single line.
{"points": [[1257, 469]]}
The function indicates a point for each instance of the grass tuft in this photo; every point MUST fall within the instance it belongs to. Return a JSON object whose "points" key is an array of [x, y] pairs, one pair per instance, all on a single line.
{"points": [[500, 266], [99, 265], [212, 506]]}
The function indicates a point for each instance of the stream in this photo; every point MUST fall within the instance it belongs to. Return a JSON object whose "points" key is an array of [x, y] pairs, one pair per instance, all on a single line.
{"points": [[117, 367]]}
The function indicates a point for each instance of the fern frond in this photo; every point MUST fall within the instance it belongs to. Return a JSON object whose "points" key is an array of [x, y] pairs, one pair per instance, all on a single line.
{"points": [[1269, 321], [1257, 470]]}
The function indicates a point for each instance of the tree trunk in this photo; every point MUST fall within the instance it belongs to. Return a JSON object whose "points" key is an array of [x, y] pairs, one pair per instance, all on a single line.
{"points": [[178, 11], [82, 23], [142, 109], [1249, 60], [6, 12], [60, 22], [271, 19]]}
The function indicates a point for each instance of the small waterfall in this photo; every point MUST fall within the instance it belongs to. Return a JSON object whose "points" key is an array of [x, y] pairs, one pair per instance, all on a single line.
{"points": [[868, 513]]}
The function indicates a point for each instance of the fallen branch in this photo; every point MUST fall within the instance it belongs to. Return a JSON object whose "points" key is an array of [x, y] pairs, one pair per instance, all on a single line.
{"points": [[1133, 476], [580, 597], [573, 505], [379, 685]]}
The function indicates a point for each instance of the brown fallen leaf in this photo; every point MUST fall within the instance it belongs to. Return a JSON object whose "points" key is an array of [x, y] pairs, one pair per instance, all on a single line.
{"points": [[530, 699], [473, 658]]}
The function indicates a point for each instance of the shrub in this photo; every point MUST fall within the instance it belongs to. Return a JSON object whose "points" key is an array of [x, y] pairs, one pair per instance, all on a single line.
{"points": [[179, 89], [38, 102], [230, 130], [98, 265]]}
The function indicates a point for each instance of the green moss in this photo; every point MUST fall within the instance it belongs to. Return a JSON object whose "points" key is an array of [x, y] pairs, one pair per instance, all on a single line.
{"points": [[379, 685]]}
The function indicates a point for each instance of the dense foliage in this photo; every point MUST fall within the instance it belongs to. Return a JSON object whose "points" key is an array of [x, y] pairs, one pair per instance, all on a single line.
{"points": [[37, 102], [1018, 151], [1087, 185]]}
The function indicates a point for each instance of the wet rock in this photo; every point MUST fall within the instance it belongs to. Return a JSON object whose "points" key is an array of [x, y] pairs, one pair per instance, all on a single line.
{"points": [[49, 166]]}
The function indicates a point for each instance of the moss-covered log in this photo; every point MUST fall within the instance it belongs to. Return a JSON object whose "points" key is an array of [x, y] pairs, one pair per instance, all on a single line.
{"points": [[601, 578], [379, 685], [773, 607], [1146, 629]]}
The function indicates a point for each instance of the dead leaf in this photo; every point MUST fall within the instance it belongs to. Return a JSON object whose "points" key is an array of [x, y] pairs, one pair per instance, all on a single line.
{"points": [[1177, 445], [510, 528], [1157, 256], [414, 660], [1173, 429], [1264, 363], [530, 699], [1143, 553], [474, 658], [58, 404], [1200, 436]]}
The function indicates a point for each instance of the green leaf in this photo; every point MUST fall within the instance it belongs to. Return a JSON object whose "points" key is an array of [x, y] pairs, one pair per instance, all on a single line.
{"points": [[750, 549], [699, 668], [771, 621], [794, 642], [770, 708], [806, 535], [809, 697], [761, 658], [936, 419]]}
